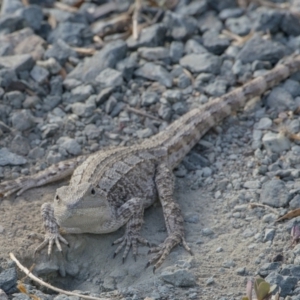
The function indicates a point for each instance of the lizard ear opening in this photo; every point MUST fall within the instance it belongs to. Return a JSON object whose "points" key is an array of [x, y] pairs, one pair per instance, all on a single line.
{"points": [[93, 192]]}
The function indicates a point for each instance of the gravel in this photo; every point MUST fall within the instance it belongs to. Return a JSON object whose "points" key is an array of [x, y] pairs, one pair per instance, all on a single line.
{"points": [[57, 103]]}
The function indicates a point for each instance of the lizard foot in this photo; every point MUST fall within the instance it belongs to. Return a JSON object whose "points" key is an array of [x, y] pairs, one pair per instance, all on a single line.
{"points": [[163, 250], [18, 186], [50, 239], [128, 240]]}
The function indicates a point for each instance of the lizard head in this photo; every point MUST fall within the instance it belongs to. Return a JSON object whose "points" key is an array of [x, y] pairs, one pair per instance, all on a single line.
{"points": [[81, 206]]}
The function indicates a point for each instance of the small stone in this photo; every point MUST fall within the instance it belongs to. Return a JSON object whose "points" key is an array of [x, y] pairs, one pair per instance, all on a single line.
{"points": [[178, 277], [51, 65], [192, 218], [149, 98], [274, 193], [33, 15], [241, 271], [14, 98], [295, 202], [252, 184], [176, 51], [269, 235], [192, 46], [81, 93], [153, 53], [70, 145], [173, 96], [22, 120], [20, 145], [53, 158], [216, 88], [260, 49], [151, 36], [280, 99], [8, 279], [36, 153], [3, 296], [61, 51], [276, 142], [264, 123], [21, 62], [144, 133], [154, 72], [198, 63], [207, 231], [104, 95], [83, 109], [240, 26], [210, 281], [215, 44], [39, 74], [109, 78], [9, 158]]}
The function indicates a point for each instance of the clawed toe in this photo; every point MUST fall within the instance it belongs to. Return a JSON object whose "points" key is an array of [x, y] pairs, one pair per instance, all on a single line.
{"points": [[49, 240]]}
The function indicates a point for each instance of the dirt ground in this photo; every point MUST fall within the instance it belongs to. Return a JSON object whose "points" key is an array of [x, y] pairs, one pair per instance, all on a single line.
{"points": [[89, 265]]}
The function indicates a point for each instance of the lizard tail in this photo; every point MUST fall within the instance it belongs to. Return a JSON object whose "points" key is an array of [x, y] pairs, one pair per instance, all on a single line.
{"points": [[184, 133]]}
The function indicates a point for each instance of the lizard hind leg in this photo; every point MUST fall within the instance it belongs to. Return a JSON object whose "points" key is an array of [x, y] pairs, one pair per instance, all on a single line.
{"points": [[174, 221], [134, 210]]}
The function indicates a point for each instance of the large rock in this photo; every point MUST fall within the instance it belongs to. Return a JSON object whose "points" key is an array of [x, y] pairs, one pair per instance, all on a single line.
{"points": [[105, 58], [21, 62], [178, 277], [9, 158]]}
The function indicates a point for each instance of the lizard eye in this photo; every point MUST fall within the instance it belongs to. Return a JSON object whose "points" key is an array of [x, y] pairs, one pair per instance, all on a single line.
{"points": [[57, 198], [93, 192]]}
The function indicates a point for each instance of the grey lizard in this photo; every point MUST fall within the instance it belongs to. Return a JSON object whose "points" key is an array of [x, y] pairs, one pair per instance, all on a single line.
{"points": [[111, 188]]}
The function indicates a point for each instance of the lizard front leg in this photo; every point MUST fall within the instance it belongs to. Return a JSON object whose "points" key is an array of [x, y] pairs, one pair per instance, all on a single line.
{"points": [[133, 211], [174, 221], [52, 230], [58, 171]]}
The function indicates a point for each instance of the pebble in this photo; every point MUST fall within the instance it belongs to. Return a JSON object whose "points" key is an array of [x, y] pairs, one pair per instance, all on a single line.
{"points": [[274, 193], [8, 280], [240, 26], [70, 145], [109, 78], [9, 158], [154, 72], [18, 63], [178, 277], [281, 100], [264, 123], [276, 142]]}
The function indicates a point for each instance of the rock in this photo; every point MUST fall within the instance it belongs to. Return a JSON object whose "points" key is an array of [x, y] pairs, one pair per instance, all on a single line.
{"points": [[144, 133], [10, 6], [210, 21], [192, 9], [105, 58], [274, 193], [213, 43], [240, 26], [18, 63], [11, 22], [216, 88], [180, 27], [70, 145], [9, 158], [20, 145], [264, 123], [266, 19], [281, 100], [276, 142], [290, 24], [286, 283], [153, 53], [176, 51], [173, 96], [39, 74], [252, 184], [61, 51], [81, 93], [154, 72], [127, 66], [3, 296], [22, 120], [178, 277], [15, 99], [53, 158], [192, 46], [292, 86], [269, 235], [230, 13], [50, 64], [192, 218], [260, 49], [83, 109], [104, 95], [69, 32], [221, 4], [198, 63], [8, 279], [109, 78], [33, 15], [36, 153], [151, 36], [149, 98], [295, 202]]}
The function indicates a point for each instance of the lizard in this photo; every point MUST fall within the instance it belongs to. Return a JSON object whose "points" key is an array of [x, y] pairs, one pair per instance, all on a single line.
{"points": [[111, 188]]}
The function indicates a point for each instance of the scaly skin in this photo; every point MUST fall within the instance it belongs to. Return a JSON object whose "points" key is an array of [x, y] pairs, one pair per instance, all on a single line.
{"points": [[112, 187]]}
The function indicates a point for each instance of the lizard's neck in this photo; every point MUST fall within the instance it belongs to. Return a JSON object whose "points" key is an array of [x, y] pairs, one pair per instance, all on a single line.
{"points": [[182, 135]]}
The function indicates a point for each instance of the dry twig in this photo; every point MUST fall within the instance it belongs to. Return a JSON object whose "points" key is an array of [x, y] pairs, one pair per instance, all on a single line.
{"points": [[47, 285], [141, 113], [84, 51], [135, 18]]}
